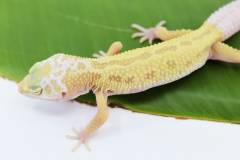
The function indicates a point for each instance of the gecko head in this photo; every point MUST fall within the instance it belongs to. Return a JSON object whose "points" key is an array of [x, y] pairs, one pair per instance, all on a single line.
{"points": [[44, 81]]}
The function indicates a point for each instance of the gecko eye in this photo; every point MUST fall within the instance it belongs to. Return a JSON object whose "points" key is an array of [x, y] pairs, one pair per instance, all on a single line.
{"points": [[36, 90]]}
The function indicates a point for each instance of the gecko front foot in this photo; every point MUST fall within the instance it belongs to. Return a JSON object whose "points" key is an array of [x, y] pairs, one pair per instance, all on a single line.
{"points": [[114, 49], [81, 137], [146, 33]]}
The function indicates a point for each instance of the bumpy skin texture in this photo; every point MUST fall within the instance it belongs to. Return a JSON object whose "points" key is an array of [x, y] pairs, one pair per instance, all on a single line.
{"points": [[65, 77], [133, 71], [143, 68]]}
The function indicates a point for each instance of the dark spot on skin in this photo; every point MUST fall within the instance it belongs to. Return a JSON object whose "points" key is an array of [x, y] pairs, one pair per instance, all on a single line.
{"points": [[188, 63], [64, 94], [150, 75], [115, 78], [109, 91], [129, 79]]}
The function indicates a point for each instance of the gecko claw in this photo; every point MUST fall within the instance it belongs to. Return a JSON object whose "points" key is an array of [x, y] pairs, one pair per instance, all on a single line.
{"points": [[146, 33], [161, 23], [138, 34], [143, 39], [138, 27], [99, 54], [81, 137]]}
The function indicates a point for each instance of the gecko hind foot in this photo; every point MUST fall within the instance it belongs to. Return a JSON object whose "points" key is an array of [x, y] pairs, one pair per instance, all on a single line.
{"points": [[81, 137], [146, 33]]}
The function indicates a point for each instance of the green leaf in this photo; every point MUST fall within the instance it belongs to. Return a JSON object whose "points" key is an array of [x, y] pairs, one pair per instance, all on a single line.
{"points": [[32, 30]]}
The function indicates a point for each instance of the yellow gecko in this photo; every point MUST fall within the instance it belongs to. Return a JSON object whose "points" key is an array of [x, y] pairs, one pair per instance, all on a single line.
{"points": [[65, 77]]}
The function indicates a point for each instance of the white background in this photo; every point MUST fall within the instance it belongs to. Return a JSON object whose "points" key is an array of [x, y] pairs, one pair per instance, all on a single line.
{"points": [[35, 130]]}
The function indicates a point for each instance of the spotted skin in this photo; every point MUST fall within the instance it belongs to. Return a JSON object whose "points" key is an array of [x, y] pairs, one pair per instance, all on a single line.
{"points": [[158, 64], [65, 77]]}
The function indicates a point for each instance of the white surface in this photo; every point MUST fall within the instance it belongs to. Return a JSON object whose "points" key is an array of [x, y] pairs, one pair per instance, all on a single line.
{"points": [[35, 130]]}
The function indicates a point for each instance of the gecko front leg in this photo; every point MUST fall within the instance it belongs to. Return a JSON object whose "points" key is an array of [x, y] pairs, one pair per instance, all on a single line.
{"points": [[157, 32], [95, 123], [114, 49]]}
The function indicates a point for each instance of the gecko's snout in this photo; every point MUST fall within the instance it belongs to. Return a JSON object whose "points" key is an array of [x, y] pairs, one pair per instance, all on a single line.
{"points": [[22, 86], [28, 89]]}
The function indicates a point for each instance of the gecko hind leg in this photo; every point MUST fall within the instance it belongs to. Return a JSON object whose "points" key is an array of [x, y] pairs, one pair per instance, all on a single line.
{"points": [[114, 49], [225, 53], [157, 32]]}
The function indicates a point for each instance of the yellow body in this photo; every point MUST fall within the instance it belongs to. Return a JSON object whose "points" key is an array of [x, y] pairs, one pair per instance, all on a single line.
{"points": [[63, 77], [139, 69], [143, 68]]}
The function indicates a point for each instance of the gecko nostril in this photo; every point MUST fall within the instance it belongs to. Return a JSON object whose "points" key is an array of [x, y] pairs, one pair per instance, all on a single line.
{"points": [[110, 91], [63, 94]]}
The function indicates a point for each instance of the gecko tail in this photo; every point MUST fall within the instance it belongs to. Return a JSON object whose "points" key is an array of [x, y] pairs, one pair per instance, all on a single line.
{"points": [[227, 18]]}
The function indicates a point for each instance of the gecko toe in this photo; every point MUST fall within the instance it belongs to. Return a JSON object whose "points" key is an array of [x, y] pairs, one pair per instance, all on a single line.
{"points": [[99, 54], [143, 39], [138, 27], [80, 137], [138, 34], [161, 23]]}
